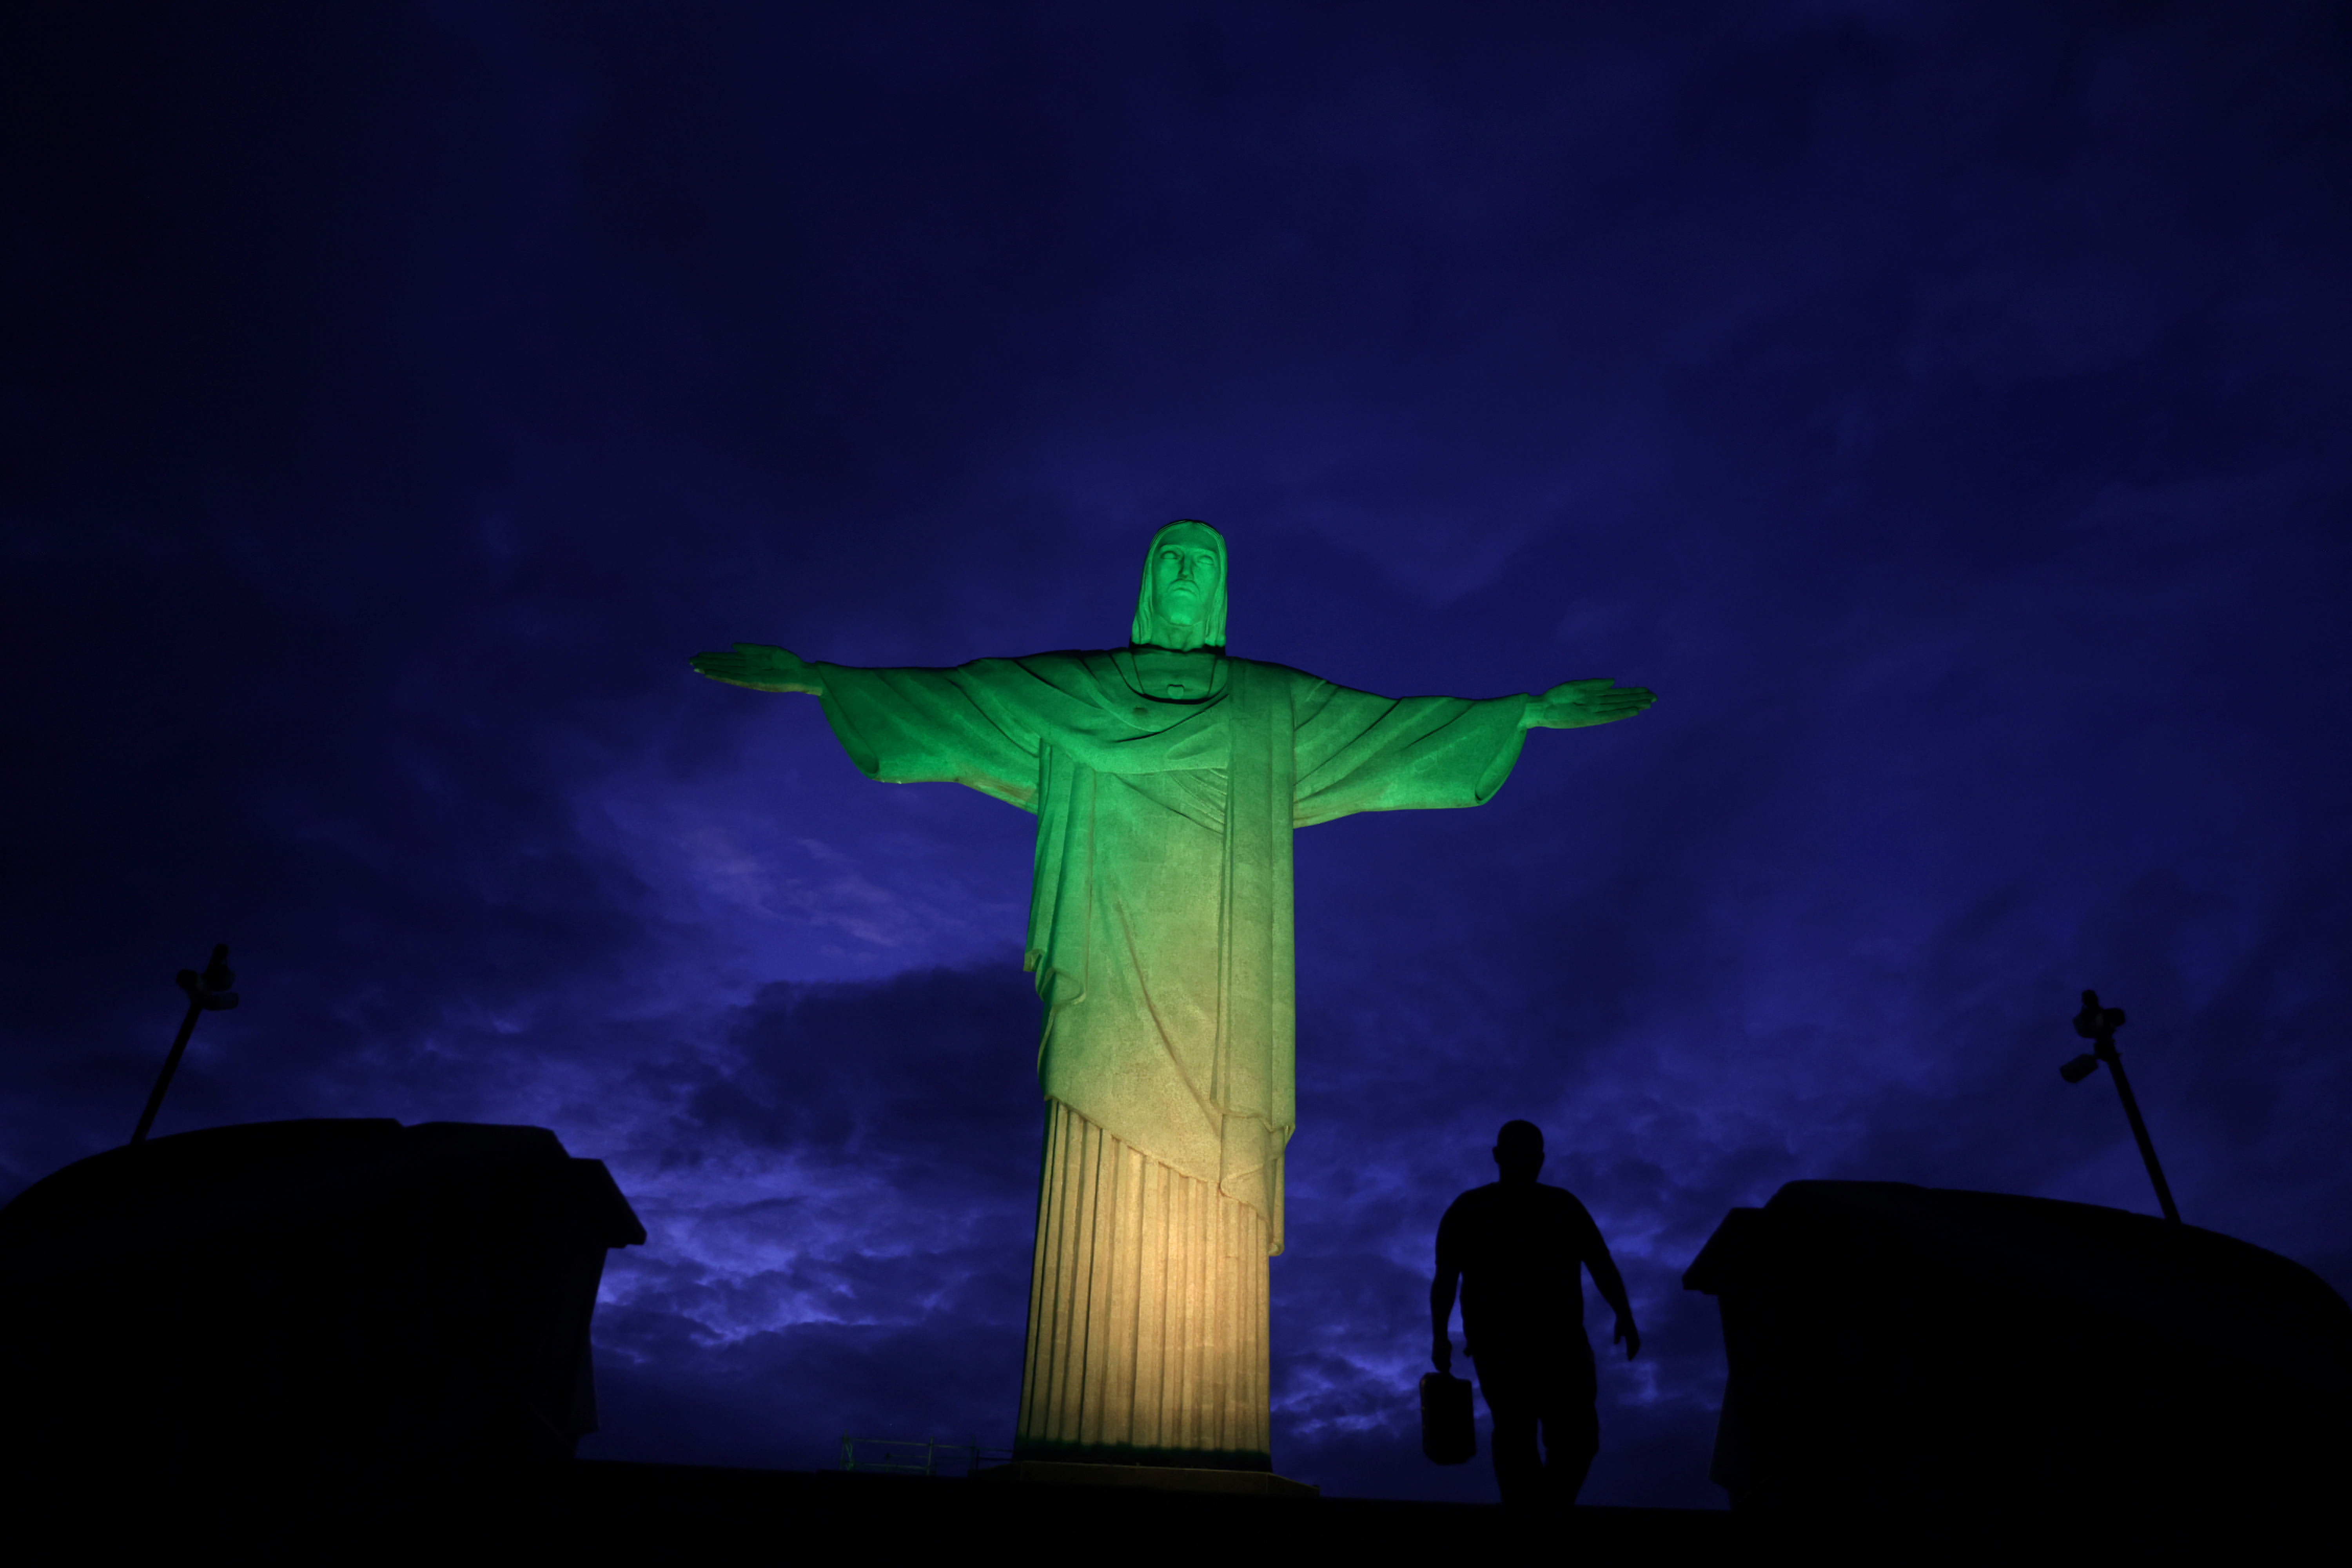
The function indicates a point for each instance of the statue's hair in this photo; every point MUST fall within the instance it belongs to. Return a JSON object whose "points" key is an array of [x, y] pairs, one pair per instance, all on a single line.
{"points": [[1213, 631]]}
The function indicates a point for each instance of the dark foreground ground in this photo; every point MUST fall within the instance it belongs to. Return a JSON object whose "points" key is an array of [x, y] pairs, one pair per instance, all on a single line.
{"points": [[653, 1500], [673, 1508], [603, 1510]]}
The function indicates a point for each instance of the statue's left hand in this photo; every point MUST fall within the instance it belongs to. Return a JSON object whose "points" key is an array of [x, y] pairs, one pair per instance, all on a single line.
{"points": [[1576, 703], [762, 668]]}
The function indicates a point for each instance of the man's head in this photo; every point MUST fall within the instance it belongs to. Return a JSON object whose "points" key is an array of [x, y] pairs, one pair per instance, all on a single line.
{"points": [[1520, 1151], [1182, 604]]}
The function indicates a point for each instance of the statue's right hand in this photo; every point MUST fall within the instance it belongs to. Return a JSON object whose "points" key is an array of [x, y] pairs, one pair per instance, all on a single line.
{"points": [[761, 667]]}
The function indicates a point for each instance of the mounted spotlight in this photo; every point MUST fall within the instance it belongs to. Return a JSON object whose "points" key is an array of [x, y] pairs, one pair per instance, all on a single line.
{"points": [[2098, 1024], [207, 993]]}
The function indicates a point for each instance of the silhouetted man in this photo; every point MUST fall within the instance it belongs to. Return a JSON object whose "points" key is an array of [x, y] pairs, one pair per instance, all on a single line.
{"points": [[1515, 1247]]}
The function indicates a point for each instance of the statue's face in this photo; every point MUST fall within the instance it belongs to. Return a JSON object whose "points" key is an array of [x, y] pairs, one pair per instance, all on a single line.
{"points": [[1184, 577]]}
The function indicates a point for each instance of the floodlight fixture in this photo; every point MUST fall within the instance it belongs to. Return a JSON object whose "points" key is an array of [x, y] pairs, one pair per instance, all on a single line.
{"points": [[207, 993], [2098, 1024]]}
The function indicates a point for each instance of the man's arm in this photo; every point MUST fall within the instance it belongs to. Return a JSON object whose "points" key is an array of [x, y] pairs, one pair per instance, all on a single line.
{"points": [[1612, 1286], [1441, 1315], [1442, 1291]]}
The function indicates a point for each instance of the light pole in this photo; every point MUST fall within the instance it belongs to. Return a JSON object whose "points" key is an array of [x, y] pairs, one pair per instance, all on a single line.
{"points": [[2098, 1024], [207, 993]]}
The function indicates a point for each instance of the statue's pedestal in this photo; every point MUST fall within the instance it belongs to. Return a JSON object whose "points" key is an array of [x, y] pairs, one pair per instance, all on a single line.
{"points": [[1149, 1478], [1146, 1313]]}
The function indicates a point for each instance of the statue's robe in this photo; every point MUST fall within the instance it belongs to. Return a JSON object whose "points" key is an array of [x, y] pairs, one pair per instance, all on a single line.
{"points": [[1160, 932]]}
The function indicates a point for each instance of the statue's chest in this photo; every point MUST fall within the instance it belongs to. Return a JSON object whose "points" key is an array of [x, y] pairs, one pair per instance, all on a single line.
{"points": [[1160, 675]]}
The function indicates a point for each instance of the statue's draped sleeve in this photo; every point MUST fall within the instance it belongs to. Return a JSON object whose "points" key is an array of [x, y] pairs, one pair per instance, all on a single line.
{"points": [[1357, 752], [982, 724]]}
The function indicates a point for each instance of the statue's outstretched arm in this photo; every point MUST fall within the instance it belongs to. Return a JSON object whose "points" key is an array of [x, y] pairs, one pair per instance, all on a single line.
{"points": [[1576, 703], [762, 668]]}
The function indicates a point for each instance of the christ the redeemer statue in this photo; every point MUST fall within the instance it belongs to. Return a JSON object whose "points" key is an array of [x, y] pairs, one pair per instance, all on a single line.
{"points": [[1166, 778]]}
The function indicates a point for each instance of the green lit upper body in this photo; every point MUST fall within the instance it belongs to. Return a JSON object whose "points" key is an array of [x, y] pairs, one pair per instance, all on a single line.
{"points": [[1178, 634], [1167, 778], [1571, 705]]}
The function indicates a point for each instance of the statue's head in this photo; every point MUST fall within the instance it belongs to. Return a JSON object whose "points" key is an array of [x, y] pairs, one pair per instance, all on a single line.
{"points": [[1520, 1151], [1182, 604]]}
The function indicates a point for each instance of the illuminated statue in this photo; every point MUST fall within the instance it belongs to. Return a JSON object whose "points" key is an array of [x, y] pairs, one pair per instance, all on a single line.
{"points": [[1166, 778]]}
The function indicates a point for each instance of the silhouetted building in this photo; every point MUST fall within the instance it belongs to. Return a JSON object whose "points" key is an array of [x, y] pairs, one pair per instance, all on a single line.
{"points": [[1908, 1348], [326, 1299]]}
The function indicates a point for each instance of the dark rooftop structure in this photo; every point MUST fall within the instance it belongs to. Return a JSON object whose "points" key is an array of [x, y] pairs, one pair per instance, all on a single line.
{"points": [[1895, 1348], [318, 1302]]}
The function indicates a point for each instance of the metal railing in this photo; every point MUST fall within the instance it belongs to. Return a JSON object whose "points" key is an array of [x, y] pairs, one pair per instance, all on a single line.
{"points": [[920, 1457]]}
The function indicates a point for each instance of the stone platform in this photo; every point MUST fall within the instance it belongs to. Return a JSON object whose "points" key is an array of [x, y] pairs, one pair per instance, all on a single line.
{"points": [[1122, 1507], [1148, 1478], [591, 1510], [595, 1510]]}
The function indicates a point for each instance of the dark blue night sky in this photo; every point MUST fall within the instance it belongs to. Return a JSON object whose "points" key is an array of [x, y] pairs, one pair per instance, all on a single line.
{"points": [[1942, 406]]}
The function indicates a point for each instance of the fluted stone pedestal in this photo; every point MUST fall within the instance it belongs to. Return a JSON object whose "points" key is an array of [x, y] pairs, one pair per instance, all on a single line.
{"points": [[1147, 1316]]}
